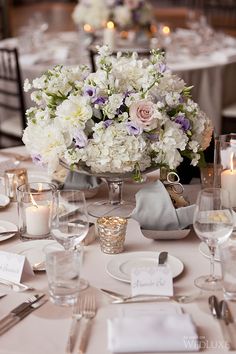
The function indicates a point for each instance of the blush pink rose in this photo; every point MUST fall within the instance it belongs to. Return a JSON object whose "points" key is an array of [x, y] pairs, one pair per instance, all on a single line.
{"points": [[142, 113]]}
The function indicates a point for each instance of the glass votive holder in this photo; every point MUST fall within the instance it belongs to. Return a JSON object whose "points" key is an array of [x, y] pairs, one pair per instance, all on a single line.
{"points": [[111, 233], [13, 178], [35, 201], [228, 266], [207, 175], [225, 164]]}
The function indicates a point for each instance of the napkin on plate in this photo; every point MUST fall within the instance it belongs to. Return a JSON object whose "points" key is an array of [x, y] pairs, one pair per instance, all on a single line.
{"points": [[154, 210], [152, 333]]}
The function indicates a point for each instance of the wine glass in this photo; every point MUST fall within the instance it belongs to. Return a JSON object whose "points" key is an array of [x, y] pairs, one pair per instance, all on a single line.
{"points": [[70, 223], [213, 224]]}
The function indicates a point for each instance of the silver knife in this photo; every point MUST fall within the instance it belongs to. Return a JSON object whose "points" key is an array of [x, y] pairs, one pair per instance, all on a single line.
{"points": [[18, 309], [216, 312], [21, 315], [228, 319]]}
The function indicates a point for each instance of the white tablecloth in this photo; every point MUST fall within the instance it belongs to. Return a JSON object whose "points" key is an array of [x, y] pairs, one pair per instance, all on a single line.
{"points": [[46, 330]]}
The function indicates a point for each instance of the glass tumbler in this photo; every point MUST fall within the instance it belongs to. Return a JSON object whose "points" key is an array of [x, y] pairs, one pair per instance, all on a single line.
{"points": [[35, 201]]}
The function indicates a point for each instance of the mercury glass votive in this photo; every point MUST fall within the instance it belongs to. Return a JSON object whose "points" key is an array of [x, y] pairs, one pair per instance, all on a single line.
{"points": [[111, 232]]}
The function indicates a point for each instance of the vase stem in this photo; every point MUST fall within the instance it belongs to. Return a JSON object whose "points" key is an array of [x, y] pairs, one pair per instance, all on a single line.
{"points": [[115, 188]]}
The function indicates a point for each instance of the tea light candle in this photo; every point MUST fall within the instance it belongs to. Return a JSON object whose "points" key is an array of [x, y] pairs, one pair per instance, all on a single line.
{"points": [[109, 35], [37, 220]]}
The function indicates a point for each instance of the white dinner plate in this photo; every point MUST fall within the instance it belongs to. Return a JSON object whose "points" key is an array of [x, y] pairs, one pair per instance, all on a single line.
{"points": [[165, 234], [7, 226], [4, 201], [120, 267], [204, 250], [33, 250]]}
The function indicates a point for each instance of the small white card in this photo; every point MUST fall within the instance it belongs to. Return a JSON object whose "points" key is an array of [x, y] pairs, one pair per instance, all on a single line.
{"points": [[14, 267], [152, 281]]}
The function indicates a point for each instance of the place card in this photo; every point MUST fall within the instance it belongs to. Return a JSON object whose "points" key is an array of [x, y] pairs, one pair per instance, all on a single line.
{"points": [[152, 281], [14, 267]]}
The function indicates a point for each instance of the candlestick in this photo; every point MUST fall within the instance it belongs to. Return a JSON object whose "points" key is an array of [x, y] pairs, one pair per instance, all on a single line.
{"points": [[109, 35], [37, 220]]}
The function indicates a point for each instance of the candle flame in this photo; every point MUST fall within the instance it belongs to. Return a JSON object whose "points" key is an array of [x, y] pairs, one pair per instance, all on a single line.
{"points": [[110, 25], [87, 28], [166, 29], [33, 201]]}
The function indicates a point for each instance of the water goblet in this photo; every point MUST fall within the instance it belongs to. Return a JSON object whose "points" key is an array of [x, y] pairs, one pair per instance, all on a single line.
{"points": [[213, 224], [70, 223]]}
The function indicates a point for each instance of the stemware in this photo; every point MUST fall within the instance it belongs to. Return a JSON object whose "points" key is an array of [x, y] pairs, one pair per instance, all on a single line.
{"points": [[213, 224], [70, 223]]}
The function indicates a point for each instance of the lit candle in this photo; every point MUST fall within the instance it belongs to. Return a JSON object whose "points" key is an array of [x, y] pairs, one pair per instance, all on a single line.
{"points": [[37, 219], [166, 30], [228, 181], [109, 35]]}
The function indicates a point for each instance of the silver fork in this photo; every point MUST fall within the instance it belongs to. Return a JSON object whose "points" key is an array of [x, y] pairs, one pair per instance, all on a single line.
{"points": [[76, 317], [88, 311]]}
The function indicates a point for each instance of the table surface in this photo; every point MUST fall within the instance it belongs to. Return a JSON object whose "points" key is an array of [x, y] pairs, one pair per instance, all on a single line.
{"points": [[46, 330]]}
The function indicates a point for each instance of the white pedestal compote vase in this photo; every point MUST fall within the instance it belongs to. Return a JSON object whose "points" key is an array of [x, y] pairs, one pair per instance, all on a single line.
{"points": [[115, 204]]}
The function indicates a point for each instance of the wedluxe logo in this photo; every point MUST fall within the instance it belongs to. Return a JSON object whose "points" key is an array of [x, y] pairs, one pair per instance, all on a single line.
{"points": [[201, 343]]}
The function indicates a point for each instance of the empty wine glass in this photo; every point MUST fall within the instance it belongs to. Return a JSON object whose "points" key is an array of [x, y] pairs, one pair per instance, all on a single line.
{"points": [[70, 223], [213, 224]]}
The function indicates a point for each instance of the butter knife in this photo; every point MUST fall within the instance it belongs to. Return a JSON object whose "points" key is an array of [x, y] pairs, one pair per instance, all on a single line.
{"points": [[18, 309], [21, 315], [216, 312]]}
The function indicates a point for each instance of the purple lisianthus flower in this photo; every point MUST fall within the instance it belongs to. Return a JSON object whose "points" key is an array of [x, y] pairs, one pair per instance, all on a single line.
{"points": [[107, 123], [183, 121], [37, 159], [100, 100], [133, 129], [181, 99], [90, 91], [81, 139]]}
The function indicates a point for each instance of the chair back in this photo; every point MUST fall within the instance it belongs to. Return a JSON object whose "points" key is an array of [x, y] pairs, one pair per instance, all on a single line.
{"points": [[4, 19], [11, 91]]}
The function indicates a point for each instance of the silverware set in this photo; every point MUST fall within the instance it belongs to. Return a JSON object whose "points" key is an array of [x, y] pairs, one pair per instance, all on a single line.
{"points": [[221, 311], [85, 309], [21, 311]]}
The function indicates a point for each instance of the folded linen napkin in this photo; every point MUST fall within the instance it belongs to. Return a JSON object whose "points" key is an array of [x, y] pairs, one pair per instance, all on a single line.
{"points": [[75, 180], [148, 333], [154, 209]]}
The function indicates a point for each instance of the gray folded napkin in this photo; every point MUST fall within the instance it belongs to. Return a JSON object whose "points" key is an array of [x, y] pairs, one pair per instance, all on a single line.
{"points": [[154, 210], [82, 181]]}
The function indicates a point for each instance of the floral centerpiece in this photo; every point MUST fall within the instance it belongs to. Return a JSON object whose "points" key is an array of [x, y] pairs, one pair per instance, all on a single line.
{"points": [[124, 13], [129, 115]]}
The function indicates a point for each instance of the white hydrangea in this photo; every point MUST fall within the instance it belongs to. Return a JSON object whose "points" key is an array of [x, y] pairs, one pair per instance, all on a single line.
{"points": [[74, 113]]}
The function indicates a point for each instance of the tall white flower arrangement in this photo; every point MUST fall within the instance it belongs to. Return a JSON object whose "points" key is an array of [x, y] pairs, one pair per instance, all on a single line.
{"points": [[129, 115]]}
